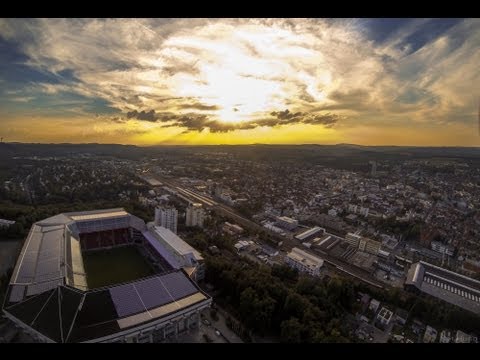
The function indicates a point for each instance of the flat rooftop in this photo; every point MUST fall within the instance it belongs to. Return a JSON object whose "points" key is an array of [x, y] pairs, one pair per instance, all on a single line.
{"points": [[287, 219], [307, 259], [305, 234]]}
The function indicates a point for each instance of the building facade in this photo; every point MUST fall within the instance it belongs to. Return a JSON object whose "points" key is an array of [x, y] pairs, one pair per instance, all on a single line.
{"points": [[363, 244], [166, 217], [304, 262], [195, 215]]}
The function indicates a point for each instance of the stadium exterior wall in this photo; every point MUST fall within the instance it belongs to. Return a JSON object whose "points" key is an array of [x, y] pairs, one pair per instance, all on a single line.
{"points": [[155, 325]]}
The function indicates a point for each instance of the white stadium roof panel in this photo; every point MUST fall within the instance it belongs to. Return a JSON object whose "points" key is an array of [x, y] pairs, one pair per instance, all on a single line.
{"points": [[98, 215]]}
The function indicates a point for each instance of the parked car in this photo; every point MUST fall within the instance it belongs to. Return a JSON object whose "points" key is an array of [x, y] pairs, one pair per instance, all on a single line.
{"points": [[206, 322], [217, 333]]}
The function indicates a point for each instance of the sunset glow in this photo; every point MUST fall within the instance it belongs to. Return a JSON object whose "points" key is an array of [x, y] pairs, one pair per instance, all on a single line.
{"points": [[237, 81]]}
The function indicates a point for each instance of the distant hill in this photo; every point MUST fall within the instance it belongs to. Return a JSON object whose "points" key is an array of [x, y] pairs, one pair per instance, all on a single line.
{"points": [[256, 151], [23, 149]]}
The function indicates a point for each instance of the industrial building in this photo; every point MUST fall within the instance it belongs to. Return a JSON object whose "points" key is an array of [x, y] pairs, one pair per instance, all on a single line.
{"points": [[50, 295], [304, 262], [310, 233], [444, 284], [286, 223]]}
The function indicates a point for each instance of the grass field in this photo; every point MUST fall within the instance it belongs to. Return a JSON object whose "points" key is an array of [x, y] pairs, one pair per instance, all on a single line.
{"points": [[113, 266]]}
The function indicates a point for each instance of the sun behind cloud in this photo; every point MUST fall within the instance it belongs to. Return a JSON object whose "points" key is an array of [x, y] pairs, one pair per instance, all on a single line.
{"points": [[150, 81]]}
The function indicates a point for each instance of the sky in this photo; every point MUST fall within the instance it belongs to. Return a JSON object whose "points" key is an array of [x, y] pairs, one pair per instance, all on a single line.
{"points": [[241, 81]]}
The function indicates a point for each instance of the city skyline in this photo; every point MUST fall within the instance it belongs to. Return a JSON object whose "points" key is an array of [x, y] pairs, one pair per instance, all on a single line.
{"points": [[240, 81]]}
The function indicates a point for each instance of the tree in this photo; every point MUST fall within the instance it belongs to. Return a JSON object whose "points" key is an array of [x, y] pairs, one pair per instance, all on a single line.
{"points": [[291, 330], [295, 305], [284, 272]]}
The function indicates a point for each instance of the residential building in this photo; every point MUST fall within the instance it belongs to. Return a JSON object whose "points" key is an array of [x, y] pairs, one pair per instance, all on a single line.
{"points": [[462, 337], [195, 215], [445, 336], [384, 316], [364, 211], [167, 217], [430, 335], [374, 305], [304, 262], [353, 239], [363, 244], [442, 248], [401, 316], [370, 246]]}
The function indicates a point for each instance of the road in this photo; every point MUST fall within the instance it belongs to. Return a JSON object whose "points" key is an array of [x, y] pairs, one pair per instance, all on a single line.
{"points": [[217, 207]]}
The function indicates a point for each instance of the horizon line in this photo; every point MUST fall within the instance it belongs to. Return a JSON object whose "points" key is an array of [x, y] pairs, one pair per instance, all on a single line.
{"points": [[252, 144]]}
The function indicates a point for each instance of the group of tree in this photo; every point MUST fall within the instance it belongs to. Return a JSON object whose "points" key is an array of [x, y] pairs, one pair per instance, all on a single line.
{"points": [[278, 302]]}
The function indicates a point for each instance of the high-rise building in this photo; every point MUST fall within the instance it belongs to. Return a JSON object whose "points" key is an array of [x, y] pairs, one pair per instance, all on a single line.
{"points": [[167, 217], [195, 215], [374, 168]]}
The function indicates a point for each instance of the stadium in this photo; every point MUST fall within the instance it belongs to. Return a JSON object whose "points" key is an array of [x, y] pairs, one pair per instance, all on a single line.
{"points": [[104, 276]]}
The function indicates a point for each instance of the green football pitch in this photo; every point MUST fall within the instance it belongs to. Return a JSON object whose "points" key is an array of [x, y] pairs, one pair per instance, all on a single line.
{"points": [[113, 266]]}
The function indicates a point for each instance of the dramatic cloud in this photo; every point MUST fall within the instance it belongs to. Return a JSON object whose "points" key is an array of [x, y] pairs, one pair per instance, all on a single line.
{"points": [[199, 122], [142, 115], [226, 75]]}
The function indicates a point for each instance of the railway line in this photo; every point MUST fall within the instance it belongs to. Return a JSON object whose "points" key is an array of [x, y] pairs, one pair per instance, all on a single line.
{"points": [[226, 211]]}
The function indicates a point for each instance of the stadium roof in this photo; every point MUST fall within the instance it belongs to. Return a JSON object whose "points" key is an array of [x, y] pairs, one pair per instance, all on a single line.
{"points": [[180, 246], [51, 254], [65, 314], [444, 284]]}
